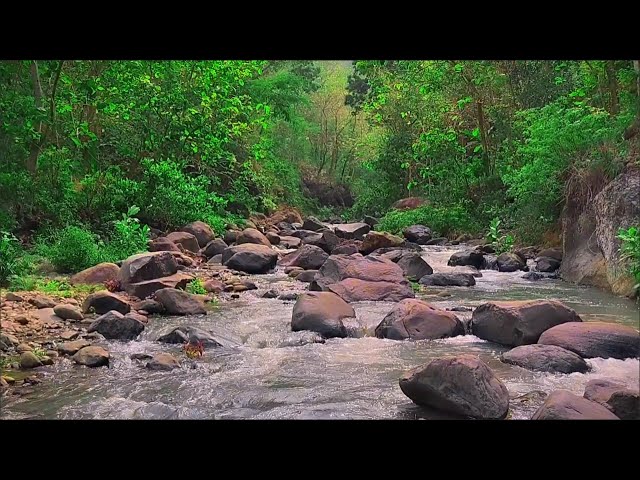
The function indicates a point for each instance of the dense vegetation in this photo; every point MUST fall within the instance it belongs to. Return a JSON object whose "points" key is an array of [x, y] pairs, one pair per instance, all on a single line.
{"points": [[96, 152]]}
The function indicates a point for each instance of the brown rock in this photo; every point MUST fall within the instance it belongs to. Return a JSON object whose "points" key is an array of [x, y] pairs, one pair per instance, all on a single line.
{"points": [[187, 240], [147, 266], [40, 301], [70, 348], [149, 287], [104, 301], [163, 244], [321, 312], [251, 235], [29, 360], [68, 312], [213, 286], [621, 401], [69, 335], [410, 203], [98, 274], [564, 405], [179, 302], [375, 240], [356, 290], [203, 232], [417, 320], [545, 358], [92, 357], [163, 361]]}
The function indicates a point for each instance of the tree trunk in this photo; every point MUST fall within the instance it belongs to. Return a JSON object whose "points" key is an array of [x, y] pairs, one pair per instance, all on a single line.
{"points": [[36, 145], [612, 80], [483, 135]]}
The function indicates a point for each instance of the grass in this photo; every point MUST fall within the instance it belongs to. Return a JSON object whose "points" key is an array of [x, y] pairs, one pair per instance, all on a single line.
{"points": [[416, 287], [196, 287], [59, 288]]}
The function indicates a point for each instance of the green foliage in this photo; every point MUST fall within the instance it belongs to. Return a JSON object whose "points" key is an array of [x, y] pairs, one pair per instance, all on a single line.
{"points": [[58, 288], [196, 287], [71, 249], [501, 243], [8, 257], [445, 221], [416, 287], [129, 237], [630, 250], [39, 352]]}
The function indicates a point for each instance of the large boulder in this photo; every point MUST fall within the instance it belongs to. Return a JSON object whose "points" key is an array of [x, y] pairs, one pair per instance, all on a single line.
{"points": [[187, 240], [313, 224], [273, 238], [308, 257], [414, 266], [250, 258], [595, 339], [163, 244], [547, 264], [213, 248], [302, 234], [230, 236], [356, 290], [474, 258], [327, 240], [289, 242], [203, 232], [555, 253], [179, 302], [149, 305], [620, 400], [462, 384], [352, 231], [373, 269], [251, 235], [147, 266], [348, 248], [417, 320], [545, 358], [307, 276], [417, 234], [100, 273], [92, 356], [448, 279], [510, 262], [564, 405], [68, 312], [104, 301], [490, 262], [115, 326], [519, 322], [321, 312], [149, 287], [188, 334], [409, 203], [375, 240]]}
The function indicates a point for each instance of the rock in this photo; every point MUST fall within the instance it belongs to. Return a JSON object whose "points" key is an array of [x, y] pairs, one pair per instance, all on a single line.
{"points": [[621, 401], [459, 308], [203, 232], [47, 316], [510, 262], [23, 347], [308, 257], [141, 356], [92, 357], [463, 385], [371, 221], [298, 339], [285, 214], [356, 290], [215, 260], [468, 269], [69, 335], [467, 257], [545, 358], [187, 240], [417, 320], [103, 302], [414, 266], [490, 262], [564, 405], [348, 248], [8, 341], [290, 242], [213, 286], [437, 241], [187, 334], [296, 272], [274, 238], [70, 348], [147, 266], [547, 264], [519, 322], [163, 361], [29, 360], [68, 312], [98, 274], [288, 296], [115, 326], [321, 312], [137, 316], [373, 269], [409, 203], [13, 297], [230, 236], [270, 294], [352, 231], [149, 287], [533, 276], [179, 302], [149, 305], [313, 224], [213, 248], [418, 234], [307, 276], [448, 279], [375, 240], [251, 235], [40, 301], [163, 244], [489, 248], [21, 319], [595, 339], [250, 258], [302, 234], [527, 252], [326, 240], [555, 253]]}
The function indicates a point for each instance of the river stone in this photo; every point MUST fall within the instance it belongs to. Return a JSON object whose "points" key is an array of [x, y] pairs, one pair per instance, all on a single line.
{"points": [[414, 266], [356, 290], [273, 237], [547, 264], [288, 296], [510, 262], [306, 276], [100, 273], [70, 348], [373, 269], [545, 358], [418, 234], [104, 301], [326, 240], [555, 253], [533, 276], [69, 335], [519, 322], [203, 232], [313, 224], [68, 312], [564, 405], [321, 312], [374, 240], [188, 241], [213, 248], [148, 305], [149, 287], [417, 320], [92, 357], [29, 360], [474, 258], [252, 235], [462, 384], [179, 302], [40, 301], [188, 334], [448, 279], [308, 257], [115, 326], [147, 266], [352, 231], [163, 244], [289, 242], [163, 361], [620, 400], [347, 248], [250, 258], [230, 236], [595, 339]]}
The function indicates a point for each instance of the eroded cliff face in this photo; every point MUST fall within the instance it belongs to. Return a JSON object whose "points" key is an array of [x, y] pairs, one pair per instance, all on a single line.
{"points": [[590, 227]]}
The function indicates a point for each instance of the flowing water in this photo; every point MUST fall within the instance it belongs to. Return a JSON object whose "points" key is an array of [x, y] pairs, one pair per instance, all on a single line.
{"points": [[351, 378]]}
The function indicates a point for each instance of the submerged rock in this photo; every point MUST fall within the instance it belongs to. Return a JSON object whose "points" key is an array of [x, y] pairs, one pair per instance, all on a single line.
{"points": [[417, 320], [564, 405], [321, 312], [545, 358]]}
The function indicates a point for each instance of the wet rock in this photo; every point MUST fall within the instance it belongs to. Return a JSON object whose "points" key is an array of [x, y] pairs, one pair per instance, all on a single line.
{"points": [[163, 244], [203, 232], [467, 269], [163, 361], [103, 302], [595, 339], [564, 405], [298, 339], [307, 276], [186, 240], [352, 231], [313, 224], [417, 320], [510, 262], [70, 348], [270, 294], [141, 356], [179, 302], [533, 276], [148, 305], [321, 312], [273, 238], [69, 335], [137, 316], [463, 385], [448, 279], [251, 235], [188, 334], [29, 360], [149, 287], [68, 312], [490, 262], [375, 240], [621, 401], [356, 290], [250, 258], [213, 248], [92, 356], [437, 241], [371, 221], [115, 326], [147, 266], [418, 234], [414, 266], [308, 257], [474, 258], [288, 297], [40, 301], [547, 264], [545, 358], [519, 322]]}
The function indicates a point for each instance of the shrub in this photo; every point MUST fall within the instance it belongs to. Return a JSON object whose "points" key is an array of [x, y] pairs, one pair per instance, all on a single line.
{"points": [[501, 243], [442, 220], [71, 249], [8, 257], [196, 287], [128, 238], [630, 250]]}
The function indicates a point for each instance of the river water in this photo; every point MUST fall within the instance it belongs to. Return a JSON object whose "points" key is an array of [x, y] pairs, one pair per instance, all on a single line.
{"points": [[352, 378]]}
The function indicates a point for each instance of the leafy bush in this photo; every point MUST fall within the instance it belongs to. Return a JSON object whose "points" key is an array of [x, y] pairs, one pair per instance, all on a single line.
{"points": [[443, 221], [196, 287], [8, 257], [501, 243], [129, 237], [630, 250], [71, 249]]}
